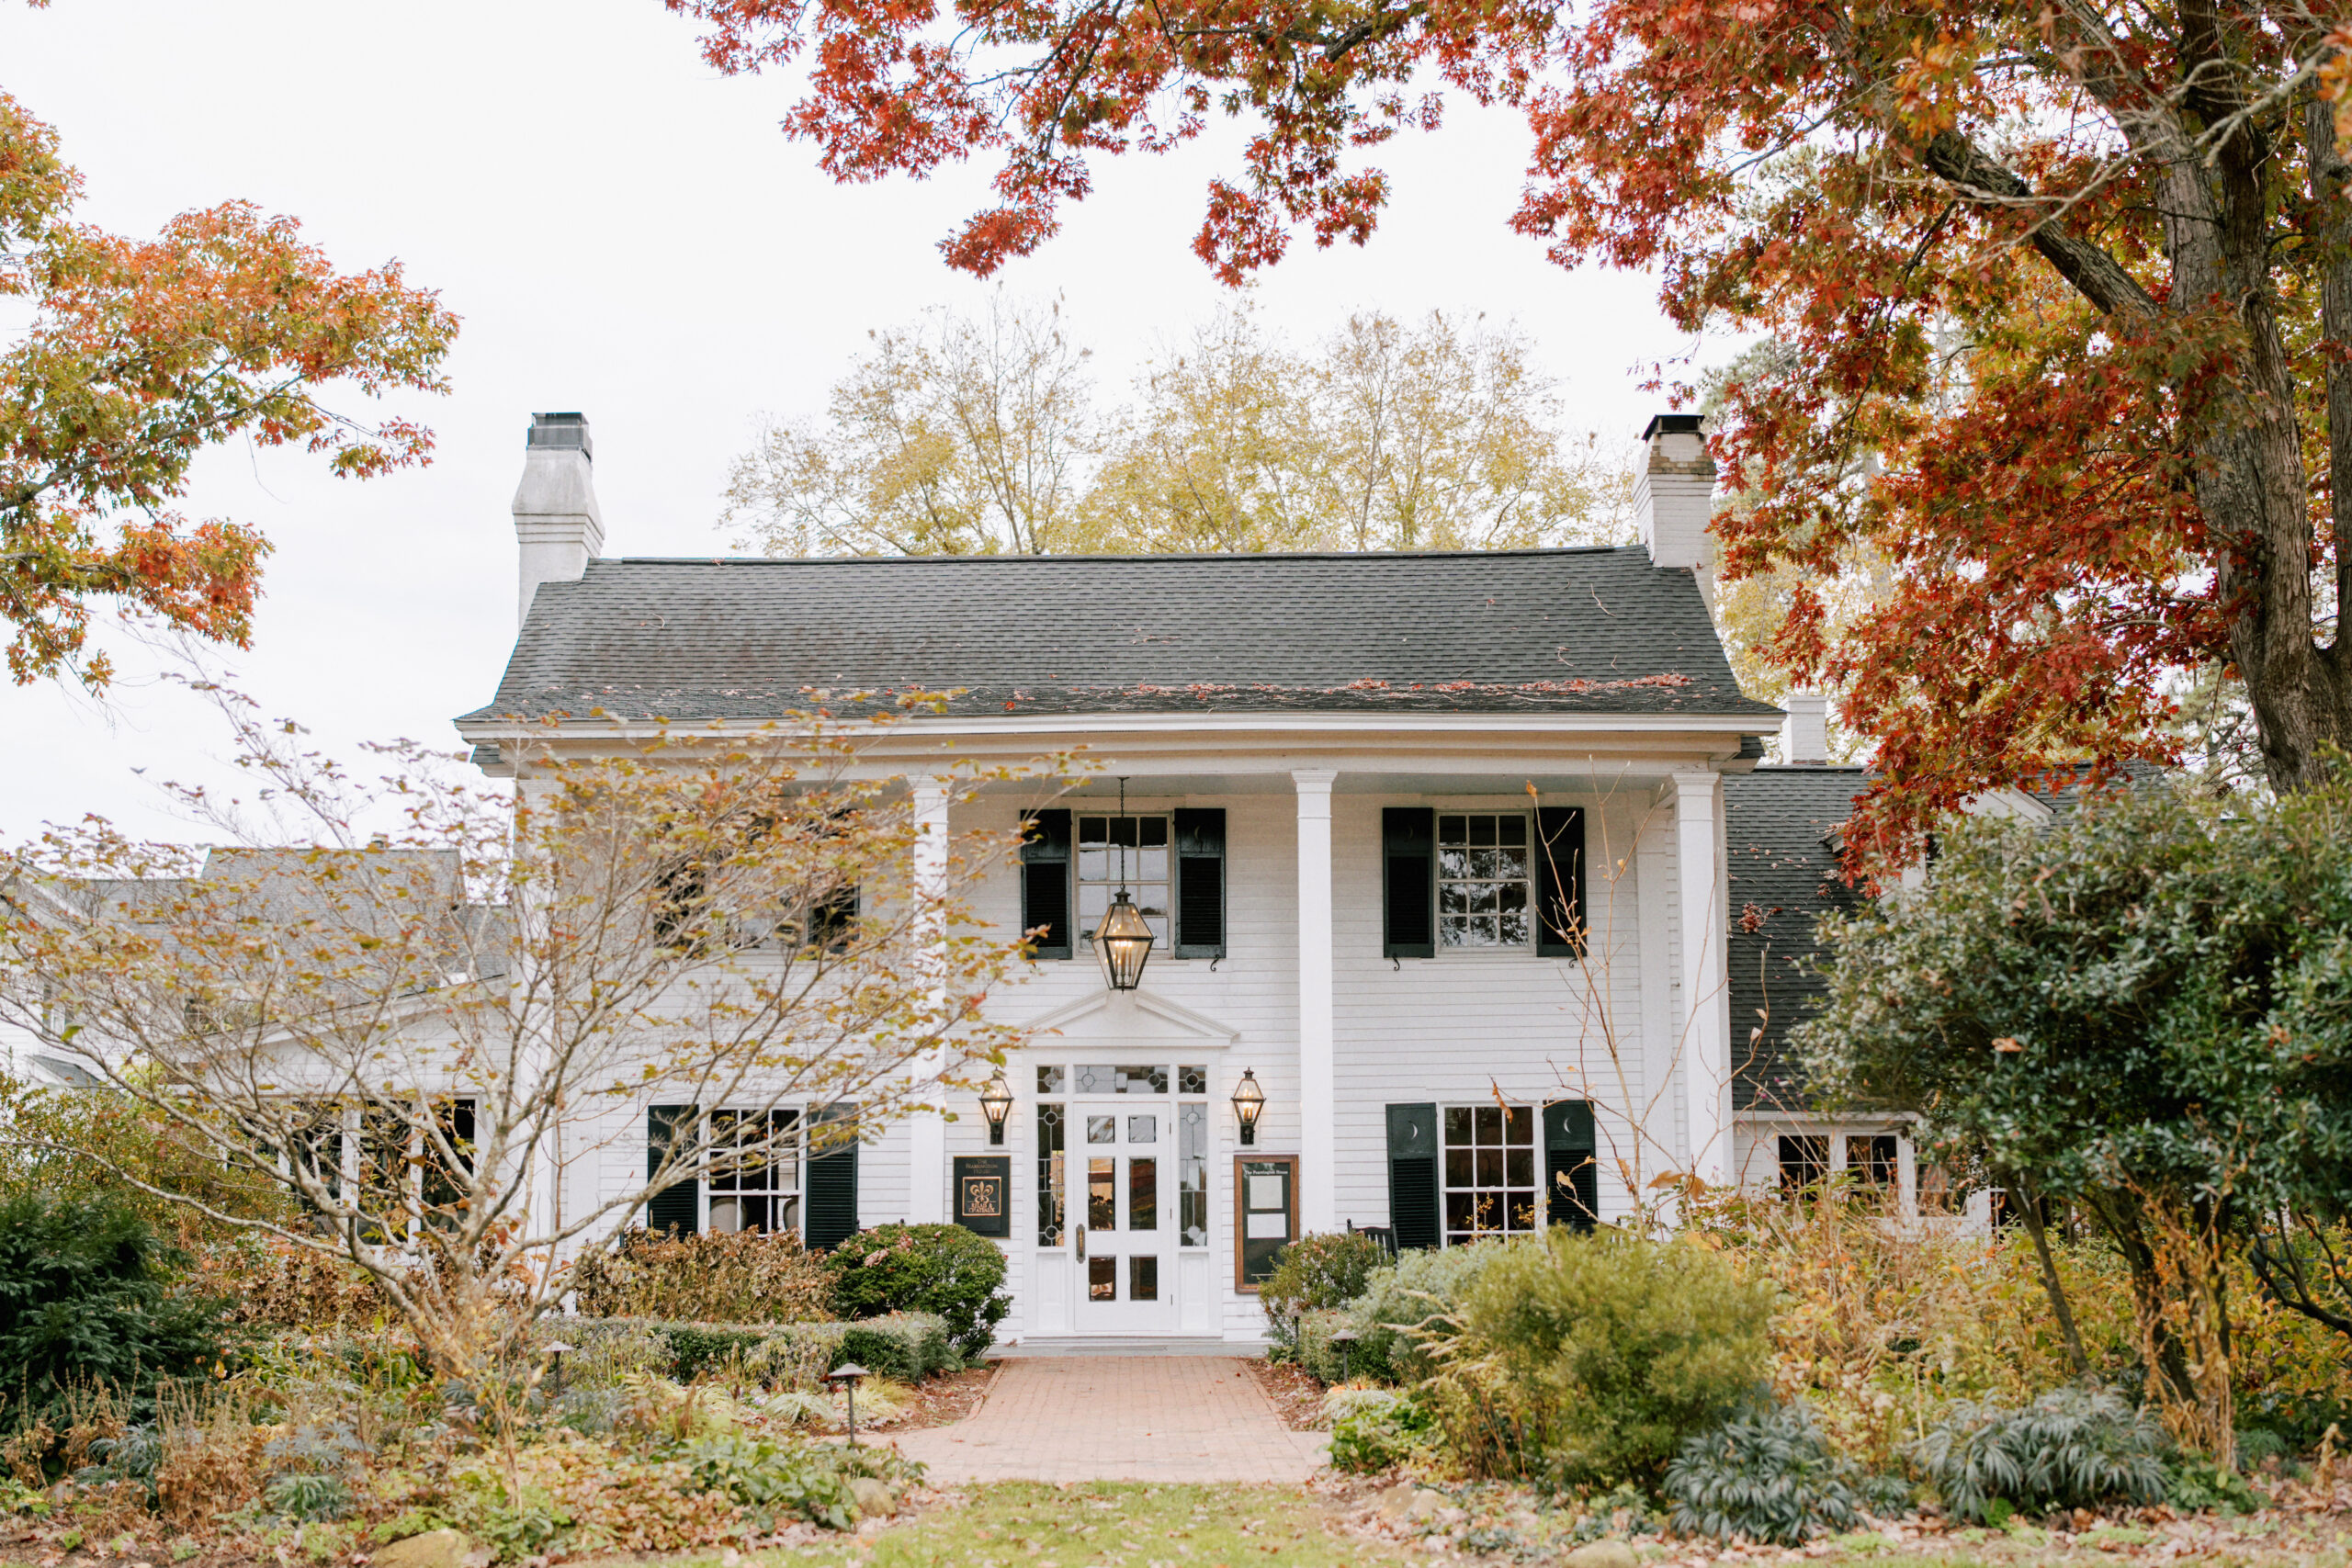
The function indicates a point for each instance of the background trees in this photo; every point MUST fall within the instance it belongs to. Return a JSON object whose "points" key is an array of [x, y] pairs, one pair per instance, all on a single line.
{"points": [[986, 433], [2065, 298], [133, 356]]}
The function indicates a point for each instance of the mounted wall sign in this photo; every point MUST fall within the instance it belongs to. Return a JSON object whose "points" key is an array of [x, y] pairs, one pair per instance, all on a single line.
{"points": [[984, 1194], [1265, 1194]]}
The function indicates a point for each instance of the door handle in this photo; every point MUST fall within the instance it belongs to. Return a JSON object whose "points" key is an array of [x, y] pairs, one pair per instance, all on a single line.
{"points": [[1081, 1244]]}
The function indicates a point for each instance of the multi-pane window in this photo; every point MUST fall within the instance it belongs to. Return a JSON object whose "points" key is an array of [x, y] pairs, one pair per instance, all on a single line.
{"points": [[1805, 1162], [1483, 892], [1872, 1160], [755, 1171], [1489, 1171], [1122, 851]]}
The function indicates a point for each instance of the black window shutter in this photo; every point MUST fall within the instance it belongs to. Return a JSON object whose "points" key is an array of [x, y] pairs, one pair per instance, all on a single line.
{"points": [[1571, 1163], [677, 1207], [1412, 1175], [1044, 880], [832, 1205], [1408, 843], [1559, 881], [1200, 883]]}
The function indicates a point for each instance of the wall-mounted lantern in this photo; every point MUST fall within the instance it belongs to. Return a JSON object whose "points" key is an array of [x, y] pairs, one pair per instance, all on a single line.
{"points": [[1249, 1099], [996, 1104]]}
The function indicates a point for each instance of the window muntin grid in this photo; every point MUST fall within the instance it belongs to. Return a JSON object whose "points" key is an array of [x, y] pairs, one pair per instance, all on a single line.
{"points": [[1192, 1175], [1489, 1171], [1483, 879], [1100, 841], [1051, 1120], [758, 1188]]}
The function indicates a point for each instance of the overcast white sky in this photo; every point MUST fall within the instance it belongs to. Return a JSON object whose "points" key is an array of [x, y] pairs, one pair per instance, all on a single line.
{"points": [[627, 234]]}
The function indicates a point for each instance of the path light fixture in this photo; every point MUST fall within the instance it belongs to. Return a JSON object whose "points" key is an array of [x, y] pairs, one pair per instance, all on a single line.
{"points": [[555, 1353], [996, 1104], [1124, 937], [1249, 1099], [845, 1378], [1345, 1338]]}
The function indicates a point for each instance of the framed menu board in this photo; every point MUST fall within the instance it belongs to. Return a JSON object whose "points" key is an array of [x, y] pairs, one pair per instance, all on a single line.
{"points": [[1265, 1215]]}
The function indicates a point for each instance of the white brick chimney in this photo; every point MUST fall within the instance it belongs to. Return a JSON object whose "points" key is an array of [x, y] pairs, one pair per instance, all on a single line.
{"points": [[556, 521], [1674, 495], [1805, 734]]}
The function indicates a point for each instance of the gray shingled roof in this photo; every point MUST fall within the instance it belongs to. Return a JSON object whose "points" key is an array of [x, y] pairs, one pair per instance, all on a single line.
{"points": [[1776, 828], [1569, 631]]}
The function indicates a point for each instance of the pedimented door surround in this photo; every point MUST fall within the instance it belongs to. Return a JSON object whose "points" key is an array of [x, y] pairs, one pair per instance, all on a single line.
{"points": [[1121, 1092]]}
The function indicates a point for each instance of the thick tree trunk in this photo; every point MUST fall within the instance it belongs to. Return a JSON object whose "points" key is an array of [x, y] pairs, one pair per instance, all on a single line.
{"points": [[2250, 481]]}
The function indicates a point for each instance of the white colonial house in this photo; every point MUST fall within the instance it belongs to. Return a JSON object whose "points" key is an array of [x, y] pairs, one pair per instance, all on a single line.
{"points": [[1446, 855]]}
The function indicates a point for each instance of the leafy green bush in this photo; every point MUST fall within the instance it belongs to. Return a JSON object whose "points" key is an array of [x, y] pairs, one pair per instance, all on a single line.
{"points": [[908, 1346], [942, 1269], [2071, 1449], [309, 1494], [85, 1298], [2197, 1486], [1373, 1428], [1767, 1475], [1327, 1270], [774, 1481], [1589, 1360], [1404, 1302]]}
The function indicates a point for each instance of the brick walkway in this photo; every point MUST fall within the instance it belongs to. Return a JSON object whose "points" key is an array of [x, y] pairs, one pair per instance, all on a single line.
{"points": [[1119, 1418]]}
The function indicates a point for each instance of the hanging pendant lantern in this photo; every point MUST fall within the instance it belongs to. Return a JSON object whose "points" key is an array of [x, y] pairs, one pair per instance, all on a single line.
{"points": [[1124, 939]]}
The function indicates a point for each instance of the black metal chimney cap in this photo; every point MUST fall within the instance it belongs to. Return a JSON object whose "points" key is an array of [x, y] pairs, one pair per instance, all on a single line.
{"points": [[561, 430], [1671, 424]]}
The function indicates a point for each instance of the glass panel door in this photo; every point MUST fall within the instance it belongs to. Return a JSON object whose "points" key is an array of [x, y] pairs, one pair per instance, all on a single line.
{"points": [[1127, 1278]]}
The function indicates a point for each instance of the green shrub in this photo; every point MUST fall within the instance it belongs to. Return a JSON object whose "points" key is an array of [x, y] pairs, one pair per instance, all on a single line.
{"points": [[1311, 1345], [1589, 1360], [944, 1271], [2196, 1486], [908, 1346], [2071, 1449], [309, 1494], [1405, 1303], [1767, 1475], [85, 1298], [774, 1481], [1373, 1428], [1327, 1270]]}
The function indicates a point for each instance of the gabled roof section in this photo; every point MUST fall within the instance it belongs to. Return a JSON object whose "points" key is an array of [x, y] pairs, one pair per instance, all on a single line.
{"points": [[1779, 837], [1571, 631]]}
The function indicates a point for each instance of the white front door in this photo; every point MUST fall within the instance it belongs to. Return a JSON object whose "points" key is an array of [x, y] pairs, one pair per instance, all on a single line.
{"points": [[1123, 1234], [1124, 1225]]}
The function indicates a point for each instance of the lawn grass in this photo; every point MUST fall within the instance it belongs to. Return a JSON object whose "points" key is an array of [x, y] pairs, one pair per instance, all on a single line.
{"points": [[1112, 1523]]}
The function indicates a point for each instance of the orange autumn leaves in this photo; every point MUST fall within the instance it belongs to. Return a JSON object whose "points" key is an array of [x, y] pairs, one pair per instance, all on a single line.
{"points": [[141, 352]]}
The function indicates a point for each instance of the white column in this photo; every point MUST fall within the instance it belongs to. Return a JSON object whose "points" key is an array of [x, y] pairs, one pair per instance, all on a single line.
{"points": [[1705, 1045], [1658, 1143], [533, 1061], [1318, 1199], [927, 1132]]}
